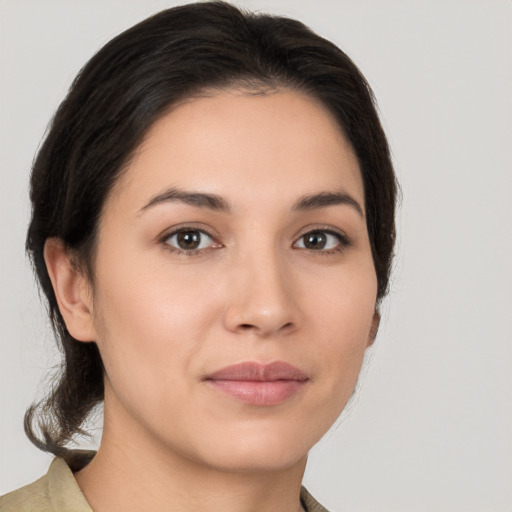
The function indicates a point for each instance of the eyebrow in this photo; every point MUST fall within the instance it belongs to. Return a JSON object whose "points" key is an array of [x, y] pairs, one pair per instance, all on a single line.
{"points": [[217, 203], [199, 199], [325, 199]]}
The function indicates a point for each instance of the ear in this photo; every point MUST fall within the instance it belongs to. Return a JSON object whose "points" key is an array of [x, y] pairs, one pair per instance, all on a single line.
{"points": [[374, 328], [71, 289]]}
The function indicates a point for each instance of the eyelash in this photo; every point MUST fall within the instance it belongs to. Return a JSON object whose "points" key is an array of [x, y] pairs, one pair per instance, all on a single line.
{"points": [[344, 241]]}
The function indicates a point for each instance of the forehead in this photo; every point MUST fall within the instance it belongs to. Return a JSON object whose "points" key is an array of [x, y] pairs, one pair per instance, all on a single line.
{"points": [[243, 145]]}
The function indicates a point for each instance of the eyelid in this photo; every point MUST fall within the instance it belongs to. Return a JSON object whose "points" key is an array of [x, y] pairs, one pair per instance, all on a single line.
{"points": [[184, 226]]}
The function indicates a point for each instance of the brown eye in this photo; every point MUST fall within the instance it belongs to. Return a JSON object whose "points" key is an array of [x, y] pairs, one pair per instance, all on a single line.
{"points": [[319, 240], [189, 240], [315, 240]]}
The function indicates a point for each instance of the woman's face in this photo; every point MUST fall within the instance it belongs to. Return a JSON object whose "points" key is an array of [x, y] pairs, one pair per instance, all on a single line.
{"points": [[234, 291]]}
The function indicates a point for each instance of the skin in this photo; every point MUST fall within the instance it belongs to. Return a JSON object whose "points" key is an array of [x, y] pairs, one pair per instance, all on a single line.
{"points": [[164, 318]]}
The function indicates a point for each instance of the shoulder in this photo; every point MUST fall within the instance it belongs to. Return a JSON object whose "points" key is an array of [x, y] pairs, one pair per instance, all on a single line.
{"points": [[31, 497], [309, 503], [55, 491]]}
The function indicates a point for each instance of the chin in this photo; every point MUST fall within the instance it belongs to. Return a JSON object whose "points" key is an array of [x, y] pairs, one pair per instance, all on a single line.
{"points": [[262, 450], [257, 459]]}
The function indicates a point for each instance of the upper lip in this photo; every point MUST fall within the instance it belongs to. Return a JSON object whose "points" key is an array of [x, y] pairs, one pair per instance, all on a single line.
{"points": [[258, 372]]}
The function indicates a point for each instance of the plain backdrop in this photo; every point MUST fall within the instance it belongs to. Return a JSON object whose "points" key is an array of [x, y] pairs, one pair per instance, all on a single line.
{"points": [[430, 428]]}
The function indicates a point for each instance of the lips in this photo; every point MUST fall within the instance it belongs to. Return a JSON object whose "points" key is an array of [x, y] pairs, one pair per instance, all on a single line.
{"points": [[259, 384]]}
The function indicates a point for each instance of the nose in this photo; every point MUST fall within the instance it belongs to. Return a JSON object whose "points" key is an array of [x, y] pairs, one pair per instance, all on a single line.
{"points": [[263, 299]]}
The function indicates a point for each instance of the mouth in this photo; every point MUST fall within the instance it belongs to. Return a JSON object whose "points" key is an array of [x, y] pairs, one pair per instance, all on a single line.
{"points": [[259, 384]]}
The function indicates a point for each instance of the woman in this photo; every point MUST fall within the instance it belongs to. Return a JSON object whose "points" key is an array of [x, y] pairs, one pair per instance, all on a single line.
{"points": [[213, 227]]}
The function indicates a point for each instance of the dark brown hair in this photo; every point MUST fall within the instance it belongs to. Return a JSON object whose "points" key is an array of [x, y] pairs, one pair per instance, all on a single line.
{"points": [[120, 93]]}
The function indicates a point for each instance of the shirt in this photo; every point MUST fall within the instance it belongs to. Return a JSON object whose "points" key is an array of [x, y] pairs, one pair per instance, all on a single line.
{"points": [[58, 491]]}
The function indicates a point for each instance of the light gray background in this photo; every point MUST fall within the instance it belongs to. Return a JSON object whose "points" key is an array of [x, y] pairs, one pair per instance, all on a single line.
{"points": [[431, 427]]}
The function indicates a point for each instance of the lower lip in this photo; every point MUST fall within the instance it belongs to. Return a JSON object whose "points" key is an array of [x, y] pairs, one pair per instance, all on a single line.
{"points": [[259, 393]]}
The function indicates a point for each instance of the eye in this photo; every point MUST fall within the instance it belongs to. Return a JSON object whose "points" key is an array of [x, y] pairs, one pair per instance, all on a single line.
{"points": [[189, 239], [321, 240]]}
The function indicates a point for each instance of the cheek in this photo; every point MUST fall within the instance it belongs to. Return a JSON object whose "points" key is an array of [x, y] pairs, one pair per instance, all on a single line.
{"points": [[341, 314], [150, 324], [343, 305]]}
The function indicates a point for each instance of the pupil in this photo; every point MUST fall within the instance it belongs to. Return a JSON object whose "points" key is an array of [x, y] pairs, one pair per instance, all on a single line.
{"points": [[189, 239], [315, 241]]}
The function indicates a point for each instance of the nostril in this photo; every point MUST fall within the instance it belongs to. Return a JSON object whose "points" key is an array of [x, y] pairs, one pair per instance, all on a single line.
{"points": [[250, 327]]}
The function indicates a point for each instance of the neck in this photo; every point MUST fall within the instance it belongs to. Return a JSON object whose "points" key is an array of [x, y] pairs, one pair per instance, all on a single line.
{"points": [[131, 472]]}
